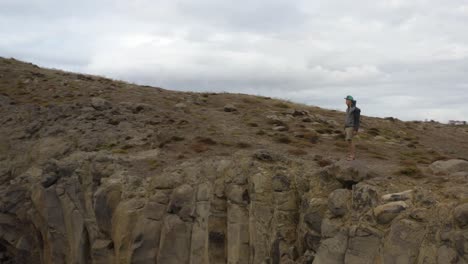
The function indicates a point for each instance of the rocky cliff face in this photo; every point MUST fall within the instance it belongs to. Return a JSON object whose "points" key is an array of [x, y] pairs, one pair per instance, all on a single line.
{"points": [[99, 171]]}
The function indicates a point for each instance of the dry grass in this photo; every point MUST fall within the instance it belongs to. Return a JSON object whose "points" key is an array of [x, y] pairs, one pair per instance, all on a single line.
{"points": [[324, 131], [251, 101], [177, 138], [199, 147], [373, 131], [281, 105], [153, 164], [341, 144], [411, 171], [324, 162], [119, 151], [297, 152], [380, 157], [283, 139], [206, 141], [243, 145]]}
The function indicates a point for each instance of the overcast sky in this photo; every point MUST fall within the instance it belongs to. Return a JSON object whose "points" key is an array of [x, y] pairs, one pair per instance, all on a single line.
{"points": [[402, 58]]}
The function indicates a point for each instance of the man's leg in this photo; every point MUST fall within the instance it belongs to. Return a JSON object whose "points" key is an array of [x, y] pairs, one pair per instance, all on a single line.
{"points": [[352, 150], [351, 147]]}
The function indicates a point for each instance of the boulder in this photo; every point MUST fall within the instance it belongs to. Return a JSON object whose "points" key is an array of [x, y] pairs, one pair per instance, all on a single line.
{"points": [[230, 108], [180, 106], [364, 196], [330, 227], [402, 244], [280, 183], [460, 213], [332, 250], [237, 194], [106, 199], [447, 167], [280, 128], [446, 255], [401, 196], [387, 212], [175, 240], [363, 246], [338, 202], [350, 172], [182, 202], [100, 104]]}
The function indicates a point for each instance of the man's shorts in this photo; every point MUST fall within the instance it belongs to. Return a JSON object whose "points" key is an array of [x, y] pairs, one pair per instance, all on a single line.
{"points": [[349, 133]]}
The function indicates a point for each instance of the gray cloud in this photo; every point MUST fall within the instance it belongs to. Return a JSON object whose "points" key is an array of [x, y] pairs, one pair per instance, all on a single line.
{"points": [[406, 59]]}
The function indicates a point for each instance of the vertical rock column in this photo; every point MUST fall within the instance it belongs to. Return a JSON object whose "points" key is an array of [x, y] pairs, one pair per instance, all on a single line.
{"points": [[260, 216], [176, 232], [217, 227], [237, 223], [285, 218], [199, 253]]}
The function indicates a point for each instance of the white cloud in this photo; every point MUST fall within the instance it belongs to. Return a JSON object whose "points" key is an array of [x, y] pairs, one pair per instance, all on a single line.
{"points": [[401, 58]]}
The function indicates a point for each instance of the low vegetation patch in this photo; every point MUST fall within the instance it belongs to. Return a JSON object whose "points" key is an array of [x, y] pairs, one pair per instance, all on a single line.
{"points": [[373, 131], [412, 171], [199, 147], [281, 105], [283, 139], [243, 145], [206, 140], [297, 152]]}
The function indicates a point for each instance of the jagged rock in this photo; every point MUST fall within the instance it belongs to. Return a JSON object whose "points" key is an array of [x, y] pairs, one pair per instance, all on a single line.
{"points": [[460, 242], [419, 214], [276, 120], [387, 212], [314, 211], [204, 191], [330, 227], [230, 108], [296, 112], [237, 194], [280, 183], [446, 167], [364, 196], [460, 213], [280, 128], [338, 202], [363, 246], [401, 196], [154, 211], [285, 201], [180, 106], [265, 155], [332, 250], [446, 255], [350, 172], [182, 202], [106, 199], [167, 180], [49, 179], [175, 241], [100, 104], [402, 244]]}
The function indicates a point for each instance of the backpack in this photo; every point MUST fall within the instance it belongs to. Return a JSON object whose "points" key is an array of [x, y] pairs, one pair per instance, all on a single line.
{"points": [[357, 117]]}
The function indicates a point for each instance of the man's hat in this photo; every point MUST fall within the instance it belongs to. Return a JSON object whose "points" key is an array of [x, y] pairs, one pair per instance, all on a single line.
{"points": [[349, 97]]}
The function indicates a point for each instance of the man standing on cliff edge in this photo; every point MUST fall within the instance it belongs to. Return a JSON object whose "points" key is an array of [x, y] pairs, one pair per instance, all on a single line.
{"points": [[352, 120]]}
